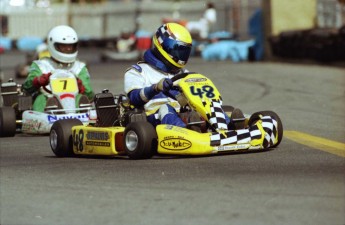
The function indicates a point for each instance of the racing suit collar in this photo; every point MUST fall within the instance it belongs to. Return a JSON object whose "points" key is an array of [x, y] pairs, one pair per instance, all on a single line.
{"points": [[60, 64]]}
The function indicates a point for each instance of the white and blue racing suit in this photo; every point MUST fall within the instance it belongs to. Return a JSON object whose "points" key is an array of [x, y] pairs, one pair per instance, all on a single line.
{"points": [[140, 81]]}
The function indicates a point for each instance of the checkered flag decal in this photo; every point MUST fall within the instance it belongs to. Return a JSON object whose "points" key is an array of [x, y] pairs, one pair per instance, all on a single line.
{"points": [[244, 136], [217, 117], [270, 126], [164, 32]]}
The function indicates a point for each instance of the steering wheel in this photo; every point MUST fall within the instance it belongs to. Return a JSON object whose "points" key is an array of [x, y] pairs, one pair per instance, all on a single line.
{"points": [[173, 79]]}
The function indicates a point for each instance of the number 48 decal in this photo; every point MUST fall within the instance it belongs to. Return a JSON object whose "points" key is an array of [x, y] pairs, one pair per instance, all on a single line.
{"points": [[205, 90], [78, 140]]}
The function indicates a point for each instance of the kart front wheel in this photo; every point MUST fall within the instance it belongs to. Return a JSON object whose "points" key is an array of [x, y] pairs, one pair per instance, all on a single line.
{"points": [[60, 138], [7, 122], [257, 116], [140, 140], [228, 109]]}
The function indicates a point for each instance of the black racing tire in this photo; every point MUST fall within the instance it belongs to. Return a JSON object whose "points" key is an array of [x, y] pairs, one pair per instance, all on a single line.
{"points": [[140, 140], [256, 116], [60, 137], [8, 124]]}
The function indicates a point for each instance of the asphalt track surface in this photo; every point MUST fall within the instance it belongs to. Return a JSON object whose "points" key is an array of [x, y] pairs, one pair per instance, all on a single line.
{"points": [[301, 182]]}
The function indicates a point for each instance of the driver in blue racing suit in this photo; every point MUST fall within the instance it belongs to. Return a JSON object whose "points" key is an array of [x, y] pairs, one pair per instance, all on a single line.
{"points": [[146, 82]]}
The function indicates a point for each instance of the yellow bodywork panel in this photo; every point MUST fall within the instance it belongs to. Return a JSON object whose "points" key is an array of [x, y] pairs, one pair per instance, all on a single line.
{"points": [[200, 91], [89, 140], [181, 141]]}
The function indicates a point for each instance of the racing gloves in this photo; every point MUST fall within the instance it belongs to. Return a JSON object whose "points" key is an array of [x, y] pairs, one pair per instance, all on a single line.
{"points": [[42, 80], [80, 86], [164, 85], [139, 97]]}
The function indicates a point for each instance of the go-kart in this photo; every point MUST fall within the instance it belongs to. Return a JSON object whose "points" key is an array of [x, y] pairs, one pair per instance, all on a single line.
{"points": [[123, 130], [16, 114]]}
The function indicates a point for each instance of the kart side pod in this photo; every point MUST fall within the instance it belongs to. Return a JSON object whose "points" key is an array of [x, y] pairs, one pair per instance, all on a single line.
{"points": [[94, 141], [265, 131], [70, 137]]}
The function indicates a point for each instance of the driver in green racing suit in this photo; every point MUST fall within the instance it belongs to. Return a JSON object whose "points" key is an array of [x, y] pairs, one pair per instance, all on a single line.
{"points": [[63, 47]]}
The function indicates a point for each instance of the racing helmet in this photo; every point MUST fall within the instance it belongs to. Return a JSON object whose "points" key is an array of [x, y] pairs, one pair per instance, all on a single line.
{"points": [[172, 44], [59, 37]]}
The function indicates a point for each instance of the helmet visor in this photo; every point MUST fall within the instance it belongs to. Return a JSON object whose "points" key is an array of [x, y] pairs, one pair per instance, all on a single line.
{"points": [[179, 51], [66, 48]]}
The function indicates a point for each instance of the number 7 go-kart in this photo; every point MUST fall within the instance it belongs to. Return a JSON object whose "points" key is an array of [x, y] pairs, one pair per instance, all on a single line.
{"points": [[121, 130], [16, 114]]}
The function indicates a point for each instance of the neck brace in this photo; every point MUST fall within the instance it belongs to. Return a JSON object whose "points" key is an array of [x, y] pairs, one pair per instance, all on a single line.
{"points": [[151, 59]]}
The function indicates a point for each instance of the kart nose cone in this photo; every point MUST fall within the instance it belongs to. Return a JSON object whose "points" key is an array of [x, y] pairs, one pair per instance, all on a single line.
{"points": [[131, 140]]}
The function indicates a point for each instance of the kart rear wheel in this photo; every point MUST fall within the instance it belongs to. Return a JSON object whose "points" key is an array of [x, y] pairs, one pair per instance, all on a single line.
{"points": [[60, 137], [256, 116], [140, 140], [7, 122]]}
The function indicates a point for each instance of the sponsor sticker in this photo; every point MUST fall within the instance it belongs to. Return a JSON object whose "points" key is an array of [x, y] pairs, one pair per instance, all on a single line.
{"points": [[175, 144], [102, 136], [31, 125], [83, 117], [232, 147], [194, 80], [98, 143]]}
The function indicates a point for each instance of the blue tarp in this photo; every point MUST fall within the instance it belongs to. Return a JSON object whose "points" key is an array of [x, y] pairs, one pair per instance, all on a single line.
{"points": [[5, 43], [234, 50], [29, 43]]}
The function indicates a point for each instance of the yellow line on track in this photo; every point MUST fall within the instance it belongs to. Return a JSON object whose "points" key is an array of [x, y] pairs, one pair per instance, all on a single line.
{"points": [[323, 144]]}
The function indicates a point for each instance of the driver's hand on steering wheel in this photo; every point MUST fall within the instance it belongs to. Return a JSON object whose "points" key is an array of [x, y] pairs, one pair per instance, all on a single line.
{"points": [[42, 80], [164, 85]]}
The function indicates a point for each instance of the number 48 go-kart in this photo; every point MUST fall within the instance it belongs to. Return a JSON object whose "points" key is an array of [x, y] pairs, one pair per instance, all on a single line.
{"points": [[121, 130]]}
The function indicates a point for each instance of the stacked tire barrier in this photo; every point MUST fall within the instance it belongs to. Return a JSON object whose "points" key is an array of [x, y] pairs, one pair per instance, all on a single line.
{"points": [[324, 45]]}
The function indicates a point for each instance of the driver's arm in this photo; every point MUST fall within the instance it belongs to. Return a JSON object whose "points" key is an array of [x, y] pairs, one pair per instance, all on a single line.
{"points": [[34, 72], [138, 93], [84, 76]]}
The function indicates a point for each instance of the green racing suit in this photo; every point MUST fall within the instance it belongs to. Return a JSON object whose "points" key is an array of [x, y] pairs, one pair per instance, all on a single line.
{"points": [[48, 65]]}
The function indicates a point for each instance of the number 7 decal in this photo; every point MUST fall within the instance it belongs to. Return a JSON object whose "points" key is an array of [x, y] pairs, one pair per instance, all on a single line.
{"points": [[64, 84]]}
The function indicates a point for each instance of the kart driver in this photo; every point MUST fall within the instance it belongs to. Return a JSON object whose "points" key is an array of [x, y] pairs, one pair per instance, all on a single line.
{"points": [[63, 48], [146, 82]]}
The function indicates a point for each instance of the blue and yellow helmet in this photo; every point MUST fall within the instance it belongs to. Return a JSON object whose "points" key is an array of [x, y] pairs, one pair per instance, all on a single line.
{"points": [[172, 44]]}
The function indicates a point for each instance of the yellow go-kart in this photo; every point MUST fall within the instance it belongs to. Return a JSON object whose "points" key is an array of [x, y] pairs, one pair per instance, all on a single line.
{"points": [[121, 130]]}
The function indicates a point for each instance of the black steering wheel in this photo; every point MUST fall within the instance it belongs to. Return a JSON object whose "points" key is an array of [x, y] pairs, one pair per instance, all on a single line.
{"points": [[173, 79]]}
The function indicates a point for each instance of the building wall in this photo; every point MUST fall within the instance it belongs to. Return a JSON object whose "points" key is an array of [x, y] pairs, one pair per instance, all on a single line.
{"points": [[292, 15], [108, 19]]}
